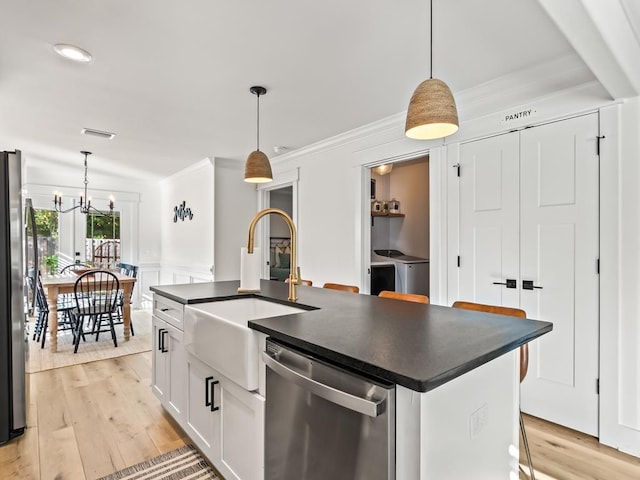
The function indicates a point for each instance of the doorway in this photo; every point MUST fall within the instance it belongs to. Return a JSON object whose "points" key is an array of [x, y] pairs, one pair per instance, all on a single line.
{"points": [[279, 236], [397, 238], [282, 193]]}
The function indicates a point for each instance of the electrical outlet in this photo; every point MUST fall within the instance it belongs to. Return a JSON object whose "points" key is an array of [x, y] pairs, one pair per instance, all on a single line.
{"points": [[478, 421]]}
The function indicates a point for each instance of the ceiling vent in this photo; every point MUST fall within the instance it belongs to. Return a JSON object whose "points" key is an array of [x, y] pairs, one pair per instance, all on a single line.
{"points": [[98, 133]]}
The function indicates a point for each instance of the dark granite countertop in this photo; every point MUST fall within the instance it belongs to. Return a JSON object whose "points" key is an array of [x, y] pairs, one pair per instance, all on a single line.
{"points": [[414, 345]]}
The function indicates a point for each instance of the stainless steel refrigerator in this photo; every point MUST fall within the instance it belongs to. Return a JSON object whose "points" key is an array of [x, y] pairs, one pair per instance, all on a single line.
{"points": [[12, 300]]}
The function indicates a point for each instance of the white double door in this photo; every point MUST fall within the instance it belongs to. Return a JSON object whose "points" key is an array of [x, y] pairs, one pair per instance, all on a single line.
{"points": [[529, 205]]}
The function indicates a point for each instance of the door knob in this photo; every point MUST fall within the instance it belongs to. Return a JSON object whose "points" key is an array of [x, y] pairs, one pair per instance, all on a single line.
{"points": [[528, 285], [509, 283]]}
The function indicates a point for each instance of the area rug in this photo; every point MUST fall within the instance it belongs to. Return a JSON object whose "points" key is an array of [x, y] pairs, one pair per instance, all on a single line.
{"points": [[183, 463], [41, 359]]}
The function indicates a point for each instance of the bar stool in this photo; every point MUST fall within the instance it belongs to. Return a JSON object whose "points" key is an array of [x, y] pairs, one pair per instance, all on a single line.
{"points": [[344, 288], [408, 297], [524, 357]]}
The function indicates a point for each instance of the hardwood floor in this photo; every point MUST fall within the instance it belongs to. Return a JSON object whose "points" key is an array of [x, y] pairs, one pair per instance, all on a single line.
{"points": [[559, 453], [90, 420]]}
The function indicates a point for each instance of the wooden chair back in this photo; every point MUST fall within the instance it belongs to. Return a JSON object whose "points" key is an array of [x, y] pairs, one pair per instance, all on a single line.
{"points": [[96, 293], [344, 288], [408, 297], [499, 310], [74, 266]]}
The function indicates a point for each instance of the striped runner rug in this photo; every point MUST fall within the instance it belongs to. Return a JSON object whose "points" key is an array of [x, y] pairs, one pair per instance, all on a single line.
{"points": [[185, 463]]}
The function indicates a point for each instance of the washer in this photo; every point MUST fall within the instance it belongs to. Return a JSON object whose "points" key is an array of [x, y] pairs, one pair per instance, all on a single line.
{"points": [[383, 277]]}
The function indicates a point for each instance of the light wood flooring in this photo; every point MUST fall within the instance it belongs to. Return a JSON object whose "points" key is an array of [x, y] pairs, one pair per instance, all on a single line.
{"points": [[86, 421], [90, 420], [559, 453]]}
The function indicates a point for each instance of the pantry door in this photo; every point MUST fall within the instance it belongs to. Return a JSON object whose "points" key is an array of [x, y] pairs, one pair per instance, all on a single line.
{"points": [[559, 242], [489, 221]]}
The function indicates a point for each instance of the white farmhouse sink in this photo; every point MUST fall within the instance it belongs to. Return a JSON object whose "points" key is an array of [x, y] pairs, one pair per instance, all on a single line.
{"points": [[217, 333]]}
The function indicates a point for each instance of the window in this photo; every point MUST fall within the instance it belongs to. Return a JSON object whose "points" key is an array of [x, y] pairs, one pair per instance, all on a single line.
{"points": [[103, 240], [47, 234]]}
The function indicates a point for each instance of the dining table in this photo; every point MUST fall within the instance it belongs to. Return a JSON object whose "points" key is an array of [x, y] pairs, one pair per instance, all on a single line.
{"points": [[60, 283]]}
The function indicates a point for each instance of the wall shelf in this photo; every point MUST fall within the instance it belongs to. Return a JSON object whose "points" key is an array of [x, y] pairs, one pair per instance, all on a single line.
{"points": [[380, 214]]}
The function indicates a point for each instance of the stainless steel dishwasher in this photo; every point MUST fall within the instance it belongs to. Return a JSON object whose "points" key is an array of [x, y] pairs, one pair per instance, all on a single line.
{"points": [[323, 422]]}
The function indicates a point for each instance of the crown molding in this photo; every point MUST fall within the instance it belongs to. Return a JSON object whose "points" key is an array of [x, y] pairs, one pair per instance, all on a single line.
{"points": [[524, 86], [196, 166]]}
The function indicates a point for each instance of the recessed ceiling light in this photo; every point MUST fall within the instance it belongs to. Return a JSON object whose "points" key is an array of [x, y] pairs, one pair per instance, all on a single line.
{"points": [[98, 133], [72, 52]]}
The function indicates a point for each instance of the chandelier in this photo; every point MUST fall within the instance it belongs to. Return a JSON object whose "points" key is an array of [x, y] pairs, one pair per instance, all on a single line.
{"points": [[85, 202]]}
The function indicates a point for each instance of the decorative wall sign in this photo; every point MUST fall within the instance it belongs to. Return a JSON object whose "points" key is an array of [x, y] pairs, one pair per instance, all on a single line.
{"points": [[510, 117], [182, 212]]}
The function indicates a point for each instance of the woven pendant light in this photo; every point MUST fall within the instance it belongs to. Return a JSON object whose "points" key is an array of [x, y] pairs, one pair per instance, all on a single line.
{"points": [[432, 110], [257, 168]]}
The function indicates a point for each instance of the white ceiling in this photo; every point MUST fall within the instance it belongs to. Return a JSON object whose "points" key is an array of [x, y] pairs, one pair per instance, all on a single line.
{"points": [[172, 79]]}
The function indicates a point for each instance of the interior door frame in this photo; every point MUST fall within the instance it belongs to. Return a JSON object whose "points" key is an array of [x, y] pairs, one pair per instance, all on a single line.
{"points": [[289, 178], [365, 210]]}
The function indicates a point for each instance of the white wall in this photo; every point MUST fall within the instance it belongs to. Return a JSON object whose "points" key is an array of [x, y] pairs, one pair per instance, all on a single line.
{"points": [[409, 184], [222, 203], [235, 206], [620, 278], [187, 245], [380, 232]]}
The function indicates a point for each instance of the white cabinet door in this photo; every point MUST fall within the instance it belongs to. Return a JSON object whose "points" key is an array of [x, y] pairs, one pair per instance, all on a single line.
{"points": [[169, 367], [489, 220], [559, 253], [159, 380], [242, 432], [529, 212], [203, 411]]}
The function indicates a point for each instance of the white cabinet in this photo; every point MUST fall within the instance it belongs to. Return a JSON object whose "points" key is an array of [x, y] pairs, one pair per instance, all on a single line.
{"points": [[203, 411], [242, 427], [226, 422], [169, 367]]}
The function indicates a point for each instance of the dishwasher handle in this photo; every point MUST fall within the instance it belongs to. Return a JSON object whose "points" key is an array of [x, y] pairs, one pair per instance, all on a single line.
{"points": [[344, 399]]}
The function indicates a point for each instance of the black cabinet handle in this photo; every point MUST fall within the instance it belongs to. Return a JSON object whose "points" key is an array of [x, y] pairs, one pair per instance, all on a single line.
{"points": [[163, 346], [528, 285], [213, 395], [510, 283], [165, 309], [160, 347], [207, 392]]}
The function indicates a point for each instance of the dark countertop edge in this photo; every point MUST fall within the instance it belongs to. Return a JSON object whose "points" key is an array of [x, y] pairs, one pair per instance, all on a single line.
{"points": [[342, 360], [386, 375], [233, 296]]}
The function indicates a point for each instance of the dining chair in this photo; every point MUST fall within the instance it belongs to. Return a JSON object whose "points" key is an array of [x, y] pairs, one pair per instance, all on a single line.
{"points": [[96, 295], [344, 288], [74, 266], [524, 357], [409, 297], [130, 271], [308, 283], [64, 308]]}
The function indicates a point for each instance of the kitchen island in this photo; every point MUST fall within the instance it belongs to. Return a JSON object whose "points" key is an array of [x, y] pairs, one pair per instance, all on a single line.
{"points": [[455, 371]]}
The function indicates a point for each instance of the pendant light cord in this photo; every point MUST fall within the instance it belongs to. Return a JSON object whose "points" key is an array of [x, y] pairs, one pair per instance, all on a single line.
{"points": [[258, 124], [431, 39], [86, 182]]}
